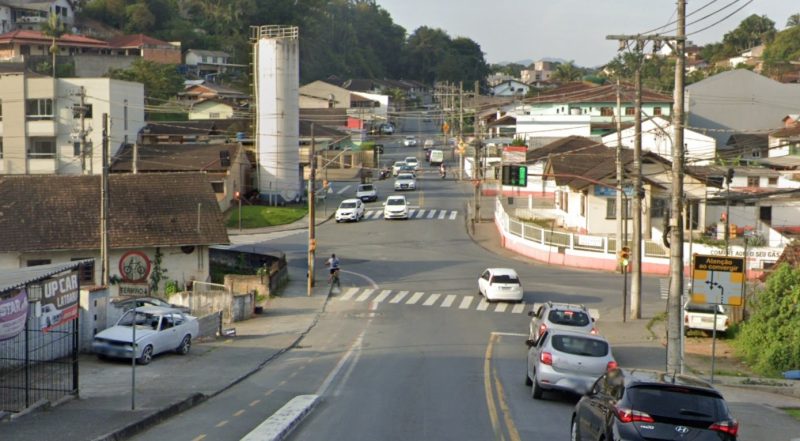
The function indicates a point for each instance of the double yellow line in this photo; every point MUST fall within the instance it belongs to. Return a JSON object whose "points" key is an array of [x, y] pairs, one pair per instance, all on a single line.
{"points": [[495, 397]]}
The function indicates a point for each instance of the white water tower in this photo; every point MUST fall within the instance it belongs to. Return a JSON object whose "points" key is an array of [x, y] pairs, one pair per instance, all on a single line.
{"points": [[277, 82]]}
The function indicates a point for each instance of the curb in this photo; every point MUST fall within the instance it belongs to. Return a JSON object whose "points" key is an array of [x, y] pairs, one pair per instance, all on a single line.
{"points": [[287, 418]]}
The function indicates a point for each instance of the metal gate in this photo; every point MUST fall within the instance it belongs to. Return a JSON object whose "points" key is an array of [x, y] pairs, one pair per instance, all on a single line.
{"points": [[38, 365]]}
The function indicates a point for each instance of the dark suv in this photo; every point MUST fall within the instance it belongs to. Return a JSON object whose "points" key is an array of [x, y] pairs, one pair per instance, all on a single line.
{"points": [[646, 405]]}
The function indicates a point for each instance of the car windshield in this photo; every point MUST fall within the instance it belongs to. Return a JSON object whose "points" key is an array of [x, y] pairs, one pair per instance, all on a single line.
{"points": [[568, 317], [399, 164], [588, 347], [395, 202], [677, 403], [348, 205], [365, 188], [141, 318], [505, 278]]}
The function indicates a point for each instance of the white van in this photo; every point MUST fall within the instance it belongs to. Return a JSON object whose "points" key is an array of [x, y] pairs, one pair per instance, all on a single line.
{"points": [[437, 157]]}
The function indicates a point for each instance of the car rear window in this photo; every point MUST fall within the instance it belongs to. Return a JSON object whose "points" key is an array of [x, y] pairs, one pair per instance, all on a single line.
{"points": [[365, 188], [348, 205], [675, 402], [700, 307], [588, 347], [503, 278], [568, 317]]}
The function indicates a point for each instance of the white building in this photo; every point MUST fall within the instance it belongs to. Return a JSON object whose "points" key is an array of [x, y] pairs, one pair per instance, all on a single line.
{"points": [[657, 135]]}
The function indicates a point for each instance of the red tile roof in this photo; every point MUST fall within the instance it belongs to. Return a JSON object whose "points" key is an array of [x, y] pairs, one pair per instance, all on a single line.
{"points": [[37, 37], [136, 41], [593, 93]]}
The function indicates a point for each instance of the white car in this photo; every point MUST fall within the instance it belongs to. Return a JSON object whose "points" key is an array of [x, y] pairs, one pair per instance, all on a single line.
{"points": [[395, 207], [413, 161], [157, 330], [350, 210], [397, 166], [410, 141], [367, 193], [405, 181], [500, 284]]}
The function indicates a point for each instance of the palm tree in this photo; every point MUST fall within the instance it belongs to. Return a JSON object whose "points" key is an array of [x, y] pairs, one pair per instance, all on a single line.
{"points": [[566, 72], [793, 20], [54, 28]]}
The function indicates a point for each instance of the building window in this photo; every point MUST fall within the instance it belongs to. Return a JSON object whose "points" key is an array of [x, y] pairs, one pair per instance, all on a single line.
{"points": [[76, 148], [630, 111], [1, 148], [42, 148], [1, 110], [39, 109], [76, 111], [583, 205], [611, 208], [219, 187], [606, 111], [656, 111], [37, 262], [213, 115], [659, 208], [565, 201], [85, 270], [125, 115], [756, 153], [772, 182], [752, 181]]}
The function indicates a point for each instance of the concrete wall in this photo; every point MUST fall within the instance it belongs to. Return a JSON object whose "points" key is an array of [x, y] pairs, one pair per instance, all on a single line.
{"points": [[93, 66]]}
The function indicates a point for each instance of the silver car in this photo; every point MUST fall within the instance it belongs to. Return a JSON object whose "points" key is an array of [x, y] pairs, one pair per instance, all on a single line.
{"points": [[567, 360], [157, 330], [552, 315]]}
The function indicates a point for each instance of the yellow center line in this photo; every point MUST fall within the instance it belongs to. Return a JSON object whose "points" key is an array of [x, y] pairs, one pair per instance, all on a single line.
{"points": [[512, 429], [238, 412], [487, 386], [254, 402], [199, 437], [222, 423]]}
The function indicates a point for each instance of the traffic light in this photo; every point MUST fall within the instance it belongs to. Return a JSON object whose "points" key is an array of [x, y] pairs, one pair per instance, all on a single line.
{"points": [[515, 175], [522, 175], [624, 256]]}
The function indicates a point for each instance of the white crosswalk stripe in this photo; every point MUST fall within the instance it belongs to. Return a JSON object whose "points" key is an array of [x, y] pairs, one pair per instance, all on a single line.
{"points": [[442, 214], [416, 213], [344, 189], [383, 295], [411, 212], [415, 298], [483, 305], [518, 308], [453, 215], [350, 293], [399, 297], [420, 213], [448, 301], [501, 307], [431, 214], [364, 296], [431, 300], [465, 302]]}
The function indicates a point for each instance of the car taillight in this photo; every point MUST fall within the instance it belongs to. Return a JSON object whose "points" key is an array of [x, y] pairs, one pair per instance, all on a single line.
{"points": [[731, 427], [626, 415], [611, 365], [594, 331], [542, 328], [546, 358]]}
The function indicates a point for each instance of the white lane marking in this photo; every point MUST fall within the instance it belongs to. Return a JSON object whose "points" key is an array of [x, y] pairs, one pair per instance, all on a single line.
{"points": [[431, 300], [376, 214], [365, 295], [411, 212], [453, 215], [431, 214], [415, 298], [510, 334], [420, 213], [350, 293], [398, 297], [353, 273], [356, 346], [483, 305], [501, 307], [518, 308], [382, 296], [465, 302], [442, 214], [448, 301], [343, 189]]}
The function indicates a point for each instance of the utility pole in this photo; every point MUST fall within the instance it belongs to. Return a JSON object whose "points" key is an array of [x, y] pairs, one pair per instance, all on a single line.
{"points": [[461, 130], [638, 193], [477, 181], [83, 131], [135, 162], [104, 248], [312, 239], [622, 214], [674, 301]]}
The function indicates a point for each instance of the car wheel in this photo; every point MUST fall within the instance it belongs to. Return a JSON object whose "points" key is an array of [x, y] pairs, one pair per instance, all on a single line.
{"points": [[147, 356], [185, 346], [574, 434], [536, 390]]}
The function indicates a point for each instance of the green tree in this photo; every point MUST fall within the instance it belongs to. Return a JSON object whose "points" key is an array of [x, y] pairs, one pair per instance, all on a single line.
{"points": [[161, 81], [139, 18], [54, 28], [567, 72], [752, 31], [793, 20], [783, 50]]}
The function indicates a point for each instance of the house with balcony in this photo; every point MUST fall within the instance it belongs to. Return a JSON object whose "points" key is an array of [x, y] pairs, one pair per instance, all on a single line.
{"points": [[45, 130], [208, 64], [31, 15]]}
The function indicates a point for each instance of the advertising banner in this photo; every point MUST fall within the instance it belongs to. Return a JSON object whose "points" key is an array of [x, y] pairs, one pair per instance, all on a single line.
{"points": [[13, 314], [59, 300], [514, 154]]}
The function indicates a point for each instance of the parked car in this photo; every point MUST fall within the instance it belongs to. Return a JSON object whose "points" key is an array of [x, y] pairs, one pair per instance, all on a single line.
{"points": [[567, 360], [649, 405], [367, 193], [566, 316], [405, 181], [350, 210], [412, 161], [158, 330], [395, 207], [410, 141], [701, 316], [140, 302], [500, 284]]}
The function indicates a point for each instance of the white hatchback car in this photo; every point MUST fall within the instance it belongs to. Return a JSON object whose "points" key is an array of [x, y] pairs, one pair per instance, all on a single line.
{"points": [[413, 161], [410, 141], [395, 207], [500, 284], [396, 167], [405, 181], [350, 210]]}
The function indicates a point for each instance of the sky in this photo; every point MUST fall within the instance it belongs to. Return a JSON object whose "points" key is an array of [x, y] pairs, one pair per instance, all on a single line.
{"points": [[514, 30]]}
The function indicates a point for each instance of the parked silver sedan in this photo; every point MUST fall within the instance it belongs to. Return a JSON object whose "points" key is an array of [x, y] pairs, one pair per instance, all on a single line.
{"points": [[567, 360], [157, 330]]}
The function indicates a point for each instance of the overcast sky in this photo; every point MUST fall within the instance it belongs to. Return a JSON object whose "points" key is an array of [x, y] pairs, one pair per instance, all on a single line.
{"points": [[514, 30]]}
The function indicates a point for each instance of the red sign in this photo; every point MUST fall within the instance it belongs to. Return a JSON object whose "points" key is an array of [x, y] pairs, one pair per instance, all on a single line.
{"points": [[134, 267]]}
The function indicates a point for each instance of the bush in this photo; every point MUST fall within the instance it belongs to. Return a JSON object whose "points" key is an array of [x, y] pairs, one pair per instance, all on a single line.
{"points": [[770, 340]]}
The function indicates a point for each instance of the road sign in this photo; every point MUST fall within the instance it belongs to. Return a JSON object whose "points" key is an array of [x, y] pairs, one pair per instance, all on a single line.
{"points": [[717, 280]]}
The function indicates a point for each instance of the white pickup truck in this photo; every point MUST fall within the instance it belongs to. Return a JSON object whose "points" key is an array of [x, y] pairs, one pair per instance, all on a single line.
{"points": [[701, 316]]}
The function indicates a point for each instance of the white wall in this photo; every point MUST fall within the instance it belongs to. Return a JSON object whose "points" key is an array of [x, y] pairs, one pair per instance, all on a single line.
{"points": [[555, 126], [700, 149]]}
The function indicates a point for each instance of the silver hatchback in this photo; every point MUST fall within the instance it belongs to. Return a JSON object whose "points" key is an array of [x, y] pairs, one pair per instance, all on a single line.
{"points": [[567, 360]]}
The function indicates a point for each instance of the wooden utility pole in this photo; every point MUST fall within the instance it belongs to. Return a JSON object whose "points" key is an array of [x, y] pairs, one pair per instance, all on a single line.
{"points": [[622, 215], [674, 302], [104, 248], [312, 239], [638, 193]]}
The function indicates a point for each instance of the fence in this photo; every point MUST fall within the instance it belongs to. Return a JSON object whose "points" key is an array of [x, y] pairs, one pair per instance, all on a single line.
{"points": [[209, 297]]}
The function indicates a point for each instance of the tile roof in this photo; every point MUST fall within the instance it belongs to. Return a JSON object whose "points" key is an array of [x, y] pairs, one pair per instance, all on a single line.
{"points": [[321, 131], [562, 145], [329, 117], [593, 93], [209, 53], [174, 158], [138, 40], [37, 37], [52, 212], [19, 277], [227, 126]]}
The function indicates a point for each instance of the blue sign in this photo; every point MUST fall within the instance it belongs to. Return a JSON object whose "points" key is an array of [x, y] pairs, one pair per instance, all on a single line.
{"points": [[610, 192]]}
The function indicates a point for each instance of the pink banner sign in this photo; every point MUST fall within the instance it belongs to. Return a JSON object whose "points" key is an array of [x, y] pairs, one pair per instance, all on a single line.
{"points": [[13, 314]]}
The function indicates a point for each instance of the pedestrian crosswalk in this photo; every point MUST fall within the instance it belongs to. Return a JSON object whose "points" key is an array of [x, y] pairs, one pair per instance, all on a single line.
{"points": [[417, 213], [454, 301]]}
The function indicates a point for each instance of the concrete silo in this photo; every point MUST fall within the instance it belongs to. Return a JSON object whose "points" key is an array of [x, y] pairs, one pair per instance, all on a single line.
{"points": [[277, 81]]}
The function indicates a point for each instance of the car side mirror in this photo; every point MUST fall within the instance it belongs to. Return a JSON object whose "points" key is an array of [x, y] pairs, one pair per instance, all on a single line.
{"points": [[531, 313], [530, 343]]}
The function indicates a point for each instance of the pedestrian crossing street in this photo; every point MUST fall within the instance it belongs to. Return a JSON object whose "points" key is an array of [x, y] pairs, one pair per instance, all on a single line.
{"points": [[453, 301], [417, 213]]}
